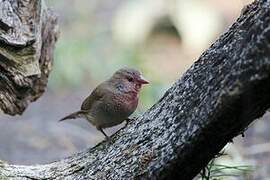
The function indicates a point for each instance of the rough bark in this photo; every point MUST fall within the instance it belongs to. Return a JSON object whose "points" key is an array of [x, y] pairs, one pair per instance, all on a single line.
{"points": [[215, 100], [27, 36]]}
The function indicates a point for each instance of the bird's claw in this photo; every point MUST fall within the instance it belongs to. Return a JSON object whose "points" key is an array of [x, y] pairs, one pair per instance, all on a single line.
{"points": [[107, 138], [127, 121]]}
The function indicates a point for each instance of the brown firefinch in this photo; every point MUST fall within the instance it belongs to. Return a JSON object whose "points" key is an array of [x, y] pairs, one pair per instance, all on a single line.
{"points": [[113, 101]]}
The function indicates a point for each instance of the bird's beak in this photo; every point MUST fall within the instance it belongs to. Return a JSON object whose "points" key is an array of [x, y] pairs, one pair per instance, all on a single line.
{"points": [[142, 80]]}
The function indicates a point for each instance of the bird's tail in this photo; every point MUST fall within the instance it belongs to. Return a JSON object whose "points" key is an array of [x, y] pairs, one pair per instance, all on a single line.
{"points": [[78, 114]]}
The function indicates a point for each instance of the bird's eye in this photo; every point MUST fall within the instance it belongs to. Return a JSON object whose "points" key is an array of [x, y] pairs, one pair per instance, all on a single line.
{"points": [[130, 79]]}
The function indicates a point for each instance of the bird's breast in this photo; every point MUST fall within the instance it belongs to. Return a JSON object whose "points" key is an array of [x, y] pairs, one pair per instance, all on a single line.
{"points": [[126, 103], [113, 110]]}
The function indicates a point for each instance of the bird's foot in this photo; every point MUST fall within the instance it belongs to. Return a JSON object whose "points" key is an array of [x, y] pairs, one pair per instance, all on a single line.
{"points": [[108, 139], [243, 132], [128, 120], [2, 163]]}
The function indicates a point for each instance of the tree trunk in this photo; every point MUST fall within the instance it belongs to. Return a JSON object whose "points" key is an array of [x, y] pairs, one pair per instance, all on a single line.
{"points": [[27, 36], [214, 101]]}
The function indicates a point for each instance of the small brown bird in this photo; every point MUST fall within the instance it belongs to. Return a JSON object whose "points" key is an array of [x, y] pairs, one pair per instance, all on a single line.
{"points": [[113, 101]]}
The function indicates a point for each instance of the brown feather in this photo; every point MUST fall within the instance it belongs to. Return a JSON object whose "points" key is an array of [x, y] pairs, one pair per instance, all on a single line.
{"points": [[113, 101], [96, 95]]}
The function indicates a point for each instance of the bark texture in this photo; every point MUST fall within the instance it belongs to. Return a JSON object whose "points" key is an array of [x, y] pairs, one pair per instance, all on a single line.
{"points": [[214, 101], [28, 33]]}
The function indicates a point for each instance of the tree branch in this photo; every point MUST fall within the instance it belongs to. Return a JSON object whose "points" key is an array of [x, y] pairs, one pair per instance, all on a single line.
{"points": [[214, 101]]}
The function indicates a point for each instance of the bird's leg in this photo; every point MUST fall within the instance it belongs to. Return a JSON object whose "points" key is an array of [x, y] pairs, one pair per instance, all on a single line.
{"points": [[101, 130], [127, 121]]}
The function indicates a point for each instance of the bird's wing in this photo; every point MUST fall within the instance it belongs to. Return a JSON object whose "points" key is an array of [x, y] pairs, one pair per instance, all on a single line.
{"points": [[96, 95]]}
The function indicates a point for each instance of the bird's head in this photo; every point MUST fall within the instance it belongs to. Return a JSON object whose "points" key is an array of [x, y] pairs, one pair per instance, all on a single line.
{"points": [[128, 80]]}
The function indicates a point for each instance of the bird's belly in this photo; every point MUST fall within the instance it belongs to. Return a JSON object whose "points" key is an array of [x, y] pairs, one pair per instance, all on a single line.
{"points": [[109, 122], [107, 115]]}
